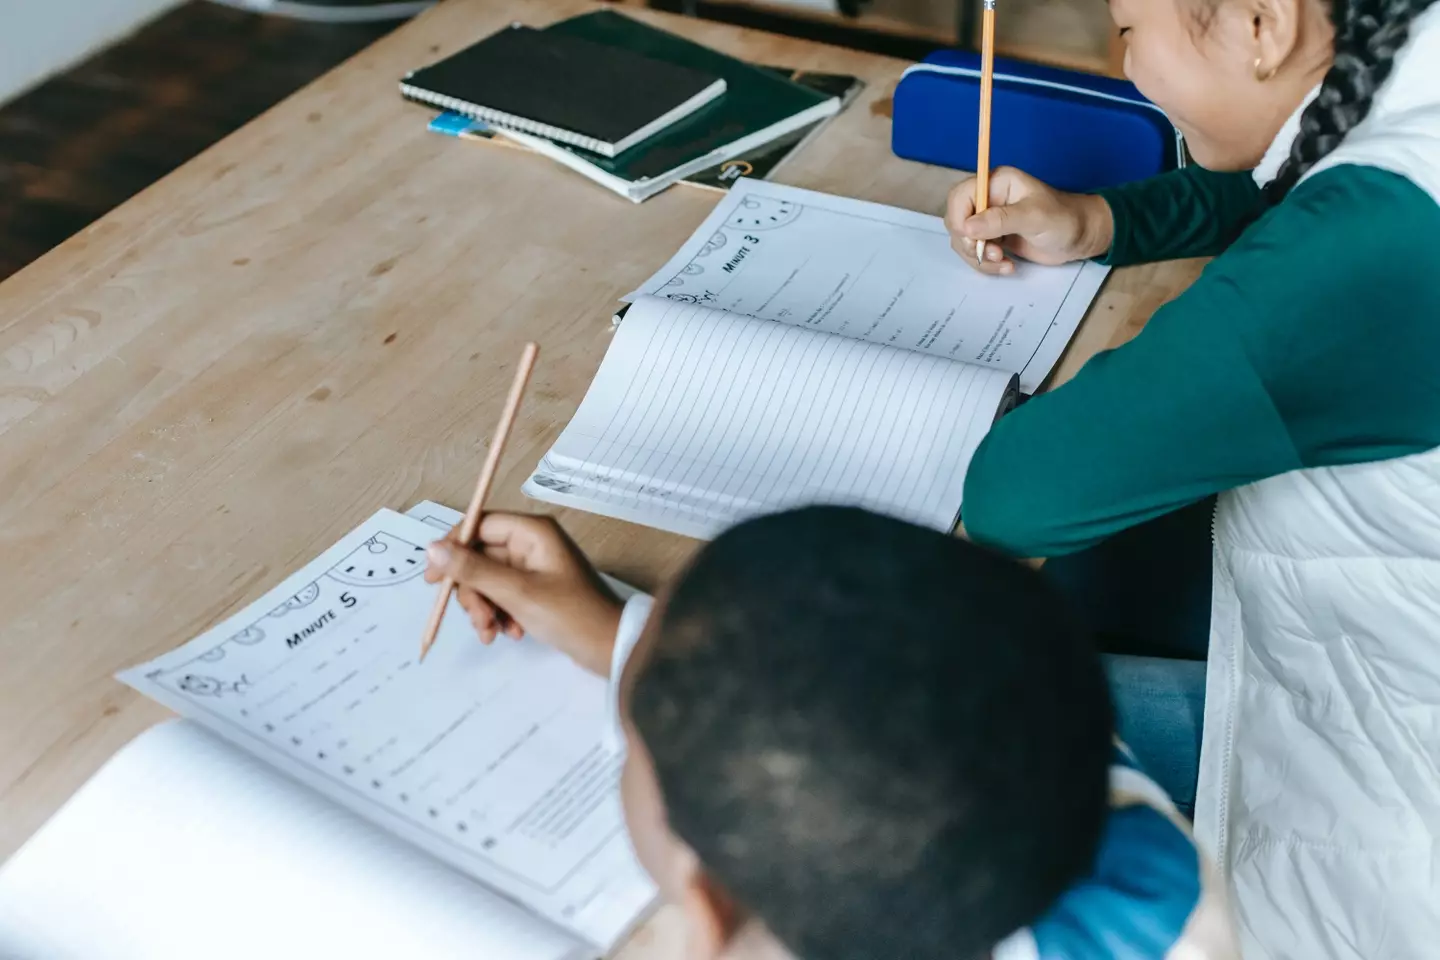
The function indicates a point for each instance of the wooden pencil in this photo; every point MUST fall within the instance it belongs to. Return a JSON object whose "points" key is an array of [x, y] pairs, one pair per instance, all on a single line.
{"points": [[987, 86], [471, 524]]}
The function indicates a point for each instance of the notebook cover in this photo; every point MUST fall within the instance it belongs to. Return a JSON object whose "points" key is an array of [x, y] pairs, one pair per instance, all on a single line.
{"points": [[565, 81], [757, 164], [754, 98]]}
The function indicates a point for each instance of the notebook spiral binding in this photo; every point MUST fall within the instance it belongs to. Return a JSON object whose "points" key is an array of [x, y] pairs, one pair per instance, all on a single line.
{"points": [[510, 121]]}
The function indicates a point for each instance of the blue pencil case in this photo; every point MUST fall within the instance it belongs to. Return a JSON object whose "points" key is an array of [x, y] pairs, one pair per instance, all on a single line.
{"points": [[1074, 131]]}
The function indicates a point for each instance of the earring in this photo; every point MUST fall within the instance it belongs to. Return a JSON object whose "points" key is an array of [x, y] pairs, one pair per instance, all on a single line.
{"points": [[1266, 75]]}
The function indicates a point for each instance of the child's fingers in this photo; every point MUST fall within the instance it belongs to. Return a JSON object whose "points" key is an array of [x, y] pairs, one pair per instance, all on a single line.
{"points": [[963, 245], [501, 554], [482, 612], [960, 205], [996, 261], [489, 620], [1021, 219], [471, 601], [989, 224], [478, 571], [485, 625]]}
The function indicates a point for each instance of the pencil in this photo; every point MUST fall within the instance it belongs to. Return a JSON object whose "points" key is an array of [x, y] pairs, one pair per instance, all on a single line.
{"points": [[987, 85], [471, 524]]}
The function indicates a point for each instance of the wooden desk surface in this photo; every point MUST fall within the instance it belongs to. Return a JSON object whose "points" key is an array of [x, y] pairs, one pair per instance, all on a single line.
{"points": [[314, 319]]}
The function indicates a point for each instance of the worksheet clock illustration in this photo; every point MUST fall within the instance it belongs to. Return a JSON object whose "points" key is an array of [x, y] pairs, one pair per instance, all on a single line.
{"points": [[717, 241], [300, 601], [249, 655], [381, 561], [764, 213], [730, 249]]}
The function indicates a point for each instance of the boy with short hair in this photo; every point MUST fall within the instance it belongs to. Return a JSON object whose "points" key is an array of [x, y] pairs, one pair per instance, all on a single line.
{"points": [[850, 737]]}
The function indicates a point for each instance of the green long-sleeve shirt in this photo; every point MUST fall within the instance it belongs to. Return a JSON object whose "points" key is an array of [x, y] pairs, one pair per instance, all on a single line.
{"points": [[1312, 340]]}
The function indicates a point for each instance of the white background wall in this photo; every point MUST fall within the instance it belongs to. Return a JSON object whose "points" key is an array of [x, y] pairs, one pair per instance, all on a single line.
{"points": [[41, 37]]}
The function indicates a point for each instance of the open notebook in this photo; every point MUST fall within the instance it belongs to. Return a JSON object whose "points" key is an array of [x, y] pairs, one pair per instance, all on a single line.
{"points": [[328, 797], [804, 348]]}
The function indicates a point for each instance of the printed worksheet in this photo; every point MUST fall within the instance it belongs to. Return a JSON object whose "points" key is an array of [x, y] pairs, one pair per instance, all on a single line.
{"points": [[875, 273], [494, 759]]}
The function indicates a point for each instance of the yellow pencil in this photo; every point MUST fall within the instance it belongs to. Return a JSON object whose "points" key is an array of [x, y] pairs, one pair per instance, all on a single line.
{"points": [[987, 85]]}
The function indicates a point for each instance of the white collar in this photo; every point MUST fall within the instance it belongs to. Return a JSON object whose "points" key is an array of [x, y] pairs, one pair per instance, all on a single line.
{"points": [[1401, 131], [1279, 149]]}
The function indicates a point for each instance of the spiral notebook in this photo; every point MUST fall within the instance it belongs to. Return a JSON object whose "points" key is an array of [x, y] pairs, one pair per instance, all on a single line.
{"points": [[600, 98], [758, 108], [761, 163]]}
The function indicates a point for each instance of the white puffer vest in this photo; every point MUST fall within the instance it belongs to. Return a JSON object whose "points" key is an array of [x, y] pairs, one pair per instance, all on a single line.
{"points": [[1320, 769]]}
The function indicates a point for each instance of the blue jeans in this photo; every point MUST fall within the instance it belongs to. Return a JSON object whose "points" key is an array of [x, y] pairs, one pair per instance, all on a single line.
{"points": [[1145, 595], [1159, 712]]}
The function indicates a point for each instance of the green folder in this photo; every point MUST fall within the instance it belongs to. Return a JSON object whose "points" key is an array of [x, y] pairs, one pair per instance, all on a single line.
{"points": [[756, 108]]}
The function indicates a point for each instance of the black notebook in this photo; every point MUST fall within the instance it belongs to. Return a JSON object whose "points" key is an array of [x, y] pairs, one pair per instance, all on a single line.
{"points": [[596, 97]]}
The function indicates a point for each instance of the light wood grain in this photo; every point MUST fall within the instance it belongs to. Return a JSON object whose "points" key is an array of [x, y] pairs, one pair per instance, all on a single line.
{"points": [[314, 319]]}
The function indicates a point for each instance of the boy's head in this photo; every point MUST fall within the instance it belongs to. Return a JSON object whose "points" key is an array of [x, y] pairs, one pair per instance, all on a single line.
{"points": [[876, 740]]}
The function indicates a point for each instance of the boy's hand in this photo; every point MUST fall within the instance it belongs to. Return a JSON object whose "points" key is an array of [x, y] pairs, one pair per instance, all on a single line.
{"points": [[528, 577], [1028, 219]]}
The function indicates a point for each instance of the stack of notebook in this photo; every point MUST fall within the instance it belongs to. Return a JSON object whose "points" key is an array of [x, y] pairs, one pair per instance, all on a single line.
{"points": [[632, 107]]}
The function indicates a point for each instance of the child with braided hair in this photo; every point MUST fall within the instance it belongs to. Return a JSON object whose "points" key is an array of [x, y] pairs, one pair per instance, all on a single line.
{"points": [[1291, 398]]}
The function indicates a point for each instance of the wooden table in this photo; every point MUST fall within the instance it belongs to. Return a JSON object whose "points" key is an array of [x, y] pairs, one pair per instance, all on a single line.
{"points": [[314, 319]]}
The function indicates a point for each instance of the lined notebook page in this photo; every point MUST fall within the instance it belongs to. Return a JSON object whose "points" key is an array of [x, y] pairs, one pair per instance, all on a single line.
{"points": [[698, 419]]}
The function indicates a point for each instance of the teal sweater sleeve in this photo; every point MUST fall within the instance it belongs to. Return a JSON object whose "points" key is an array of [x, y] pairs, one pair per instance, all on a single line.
{"points": [[1311, 342], [1191, 212]]}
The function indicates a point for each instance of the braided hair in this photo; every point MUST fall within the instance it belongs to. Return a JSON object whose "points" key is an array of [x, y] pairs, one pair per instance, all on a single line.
{"points": [[1368, 35]]}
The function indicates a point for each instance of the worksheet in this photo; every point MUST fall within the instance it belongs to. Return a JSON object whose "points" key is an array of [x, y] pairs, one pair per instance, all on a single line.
{"points": [[877, 273], [494, 759]]}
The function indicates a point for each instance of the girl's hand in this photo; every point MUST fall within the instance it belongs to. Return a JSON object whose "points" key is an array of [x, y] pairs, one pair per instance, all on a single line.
{"points": [[1028, 219], [528, 577]]}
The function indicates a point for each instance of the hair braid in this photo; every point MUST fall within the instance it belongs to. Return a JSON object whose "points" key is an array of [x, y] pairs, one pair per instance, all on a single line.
{"points": [[1368, 35]]}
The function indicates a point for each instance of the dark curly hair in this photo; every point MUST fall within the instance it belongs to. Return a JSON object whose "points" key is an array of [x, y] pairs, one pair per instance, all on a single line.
{"points": [[1368, 35]]}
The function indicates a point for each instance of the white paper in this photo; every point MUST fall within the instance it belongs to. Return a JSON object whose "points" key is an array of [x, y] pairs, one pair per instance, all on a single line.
{"points": [[698, 419], [490, 758], [183, 846], [438, 515], [875, 273], [444, 518]]}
